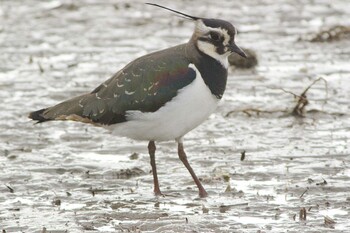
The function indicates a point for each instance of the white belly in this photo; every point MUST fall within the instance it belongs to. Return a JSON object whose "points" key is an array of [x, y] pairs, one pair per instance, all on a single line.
{"points": [[192, 105]]}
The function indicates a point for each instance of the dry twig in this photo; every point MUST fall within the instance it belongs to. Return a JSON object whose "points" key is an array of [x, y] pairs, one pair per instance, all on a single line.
{"points": [[299, 109], [328, 221]]}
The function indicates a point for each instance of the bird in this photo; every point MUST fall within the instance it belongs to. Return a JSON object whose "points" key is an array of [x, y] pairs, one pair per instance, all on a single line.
{"points": [[160, 96]]}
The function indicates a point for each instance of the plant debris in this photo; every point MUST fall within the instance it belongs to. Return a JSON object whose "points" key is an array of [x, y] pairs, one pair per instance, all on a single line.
{"points": [[304, 193], [94, 191], [41, 69], [328, 221], [57, 202], [205, 210], [248, 112], [242, 155], [241, 62], [331, 34], [224, 208], [302, 101], [299, 108], [324, 182], [302, 214], [134, 156], [11, 189]]}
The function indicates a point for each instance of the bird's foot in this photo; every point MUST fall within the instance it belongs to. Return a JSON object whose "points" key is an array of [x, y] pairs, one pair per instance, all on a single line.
{"points": [[158, 193], [203, 193]]}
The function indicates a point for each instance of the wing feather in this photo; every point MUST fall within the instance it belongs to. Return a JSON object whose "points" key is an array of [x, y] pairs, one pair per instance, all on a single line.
{"points": [[145, 85]]}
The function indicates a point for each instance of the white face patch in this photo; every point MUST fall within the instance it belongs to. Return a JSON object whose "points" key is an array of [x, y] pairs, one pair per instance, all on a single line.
{"points": [[207, 47], [210, 50]]}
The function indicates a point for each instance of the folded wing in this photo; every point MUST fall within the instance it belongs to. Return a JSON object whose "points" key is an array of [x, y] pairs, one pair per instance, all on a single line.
{"points": [[145, 85]]}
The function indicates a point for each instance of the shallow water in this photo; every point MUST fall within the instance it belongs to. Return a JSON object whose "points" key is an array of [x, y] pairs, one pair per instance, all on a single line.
{"points": [[72, 177]]}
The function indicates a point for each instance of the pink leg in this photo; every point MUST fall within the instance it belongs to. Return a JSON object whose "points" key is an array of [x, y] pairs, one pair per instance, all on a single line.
{"points": [[152, 151], [183, 158]]}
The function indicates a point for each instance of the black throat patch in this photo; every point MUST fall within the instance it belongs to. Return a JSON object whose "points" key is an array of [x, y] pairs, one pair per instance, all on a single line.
{"points": [[213, 73]]}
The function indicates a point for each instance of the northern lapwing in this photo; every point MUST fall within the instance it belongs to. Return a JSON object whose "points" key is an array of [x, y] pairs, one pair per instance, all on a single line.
{"points": [[160, 96]]}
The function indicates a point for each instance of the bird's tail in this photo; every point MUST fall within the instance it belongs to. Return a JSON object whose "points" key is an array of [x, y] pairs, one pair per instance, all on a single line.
{"points": [[39, 116], [68, 110]]}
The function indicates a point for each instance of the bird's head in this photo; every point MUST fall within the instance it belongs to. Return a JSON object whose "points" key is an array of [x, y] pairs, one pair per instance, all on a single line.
{"points": [[214, 37]]}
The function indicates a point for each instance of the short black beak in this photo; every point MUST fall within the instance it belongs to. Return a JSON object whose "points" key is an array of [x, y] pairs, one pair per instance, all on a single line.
{"points": [[235, 49]]}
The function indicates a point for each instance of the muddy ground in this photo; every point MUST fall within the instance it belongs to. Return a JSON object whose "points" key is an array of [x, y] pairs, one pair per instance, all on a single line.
{"points": [[70, 177]]}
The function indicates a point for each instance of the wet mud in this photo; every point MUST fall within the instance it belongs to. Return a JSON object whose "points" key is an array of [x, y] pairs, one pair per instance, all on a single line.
{"points": [[265, 169]]}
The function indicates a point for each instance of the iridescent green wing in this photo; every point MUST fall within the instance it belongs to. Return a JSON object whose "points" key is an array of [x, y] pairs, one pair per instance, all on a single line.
{"points": [[144, 85]]}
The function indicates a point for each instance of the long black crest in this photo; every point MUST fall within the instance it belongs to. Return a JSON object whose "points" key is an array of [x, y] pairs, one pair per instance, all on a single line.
{"points": [[177, 12]]}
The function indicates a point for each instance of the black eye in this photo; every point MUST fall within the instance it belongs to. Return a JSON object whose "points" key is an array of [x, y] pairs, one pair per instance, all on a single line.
{"points": [[214, 36]]}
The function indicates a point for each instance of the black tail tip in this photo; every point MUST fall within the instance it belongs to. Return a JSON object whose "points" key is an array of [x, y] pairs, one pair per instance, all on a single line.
{"points": [[38, 116]]}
